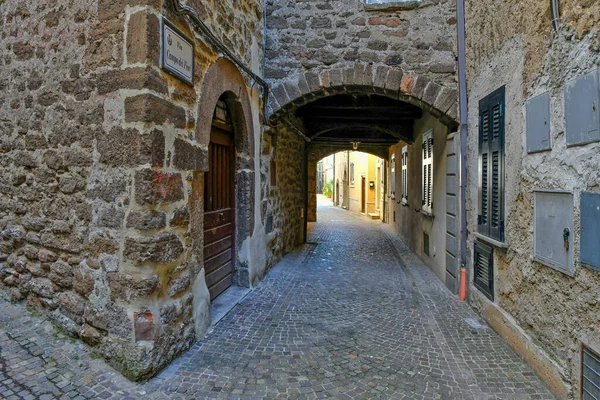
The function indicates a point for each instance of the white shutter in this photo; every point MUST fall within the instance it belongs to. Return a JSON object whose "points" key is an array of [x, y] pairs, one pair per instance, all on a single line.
{"points": [[427, 177], [405, 174], [393, 177]]}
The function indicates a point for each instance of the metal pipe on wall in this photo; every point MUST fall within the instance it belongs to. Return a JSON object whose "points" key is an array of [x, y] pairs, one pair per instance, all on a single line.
{"points": [[463, 98]]}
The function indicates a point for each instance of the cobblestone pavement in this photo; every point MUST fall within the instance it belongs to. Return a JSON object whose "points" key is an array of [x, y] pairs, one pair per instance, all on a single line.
{"points": [[352, 315]]}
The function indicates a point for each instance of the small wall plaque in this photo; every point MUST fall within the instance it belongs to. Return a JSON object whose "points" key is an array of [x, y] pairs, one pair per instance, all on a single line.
{"points": [[176, 52]]}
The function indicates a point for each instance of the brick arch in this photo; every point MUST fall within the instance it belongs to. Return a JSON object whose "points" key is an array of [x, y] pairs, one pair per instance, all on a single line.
{"points": [[293, 92]]}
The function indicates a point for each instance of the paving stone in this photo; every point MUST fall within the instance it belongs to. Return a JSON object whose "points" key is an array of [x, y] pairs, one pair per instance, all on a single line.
{"points": [[353, 315]]}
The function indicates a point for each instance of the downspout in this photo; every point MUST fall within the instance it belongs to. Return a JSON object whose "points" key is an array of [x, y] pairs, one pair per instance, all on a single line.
{"points": [[334, 193], [347, 179], [462, 91], [195, 19]]}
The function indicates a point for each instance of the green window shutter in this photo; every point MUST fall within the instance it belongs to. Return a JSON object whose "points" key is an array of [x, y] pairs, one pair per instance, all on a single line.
{"points": [[491, 165]]}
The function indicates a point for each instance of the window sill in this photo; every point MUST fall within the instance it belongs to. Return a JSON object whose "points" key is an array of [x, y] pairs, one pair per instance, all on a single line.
{"points": [[489, 240], [404, 203], [427, 214], [393, 5]]}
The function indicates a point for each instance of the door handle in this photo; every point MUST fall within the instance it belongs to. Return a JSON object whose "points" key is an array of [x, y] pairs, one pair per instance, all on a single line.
{"points": [[566, 234]]}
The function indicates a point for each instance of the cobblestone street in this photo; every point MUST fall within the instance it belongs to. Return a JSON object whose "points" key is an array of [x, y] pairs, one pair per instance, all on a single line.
{"points": [[351, 315]]}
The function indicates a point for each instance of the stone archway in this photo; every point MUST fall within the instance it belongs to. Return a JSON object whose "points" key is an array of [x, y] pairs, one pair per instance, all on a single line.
{"points": [[293, 92], [223, 81]]}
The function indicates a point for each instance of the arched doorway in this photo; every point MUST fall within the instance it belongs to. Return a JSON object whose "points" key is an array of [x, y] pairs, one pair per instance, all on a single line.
{"points": [[219, 204]]}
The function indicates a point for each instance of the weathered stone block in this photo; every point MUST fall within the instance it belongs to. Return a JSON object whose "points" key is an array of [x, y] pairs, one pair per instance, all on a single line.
{"points": [[47, 256], [407, 83], [90, 335], [280, 95], [145, 221], [150, 108], [41, 286], [131, 78], [130, 148], [83, 283], [143, 38], [446, 99], [70, 184], [313, 81], [292, 90], [111, 217], [61, 274], [320, 22], [178, 285], [394, 78], [431, 93], [127, 287], [153, 187], [419, 86], [181, 217], [381, 74], [72, 305], [189, 157], [162, 249]]}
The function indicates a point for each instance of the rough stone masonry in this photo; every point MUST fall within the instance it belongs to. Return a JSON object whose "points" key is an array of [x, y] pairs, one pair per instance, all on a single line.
{"points": [[101, 172]]}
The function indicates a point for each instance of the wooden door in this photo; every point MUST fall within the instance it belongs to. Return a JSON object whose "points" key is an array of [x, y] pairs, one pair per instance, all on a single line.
{"points": [[219, 212], [363, 189]]}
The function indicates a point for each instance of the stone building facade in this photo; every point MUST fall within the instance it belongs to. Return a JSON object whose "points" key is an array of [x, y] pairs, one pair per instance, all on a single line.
{"points": [[104, 156], [103, 162], [548, 313]]}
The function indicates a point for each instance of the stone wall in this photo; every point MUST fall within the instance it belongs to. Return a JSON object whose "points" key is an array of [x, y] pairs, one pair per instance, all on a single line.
{"points": [[545, 314], [283, 196], [102, 167], [322, 34]]}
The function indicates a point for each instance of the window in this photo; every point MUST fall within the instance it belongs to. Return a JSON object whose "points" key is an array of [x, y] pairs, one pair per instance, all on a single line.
{"points": [[405, 174], [352, 172], [393, 177], [590, 374], [490, 221], [427, 178], [484, 269]]}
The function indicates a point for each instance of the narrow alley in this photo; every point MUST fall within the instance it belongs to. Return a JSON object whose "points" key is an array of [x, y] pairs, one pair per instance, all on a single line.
{"points": [[351, 315]]}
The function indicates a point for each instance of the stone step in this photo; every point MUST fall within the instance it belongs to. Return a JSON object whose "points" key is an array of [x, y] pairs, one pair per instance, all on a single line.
{"points": [[374, 215]]}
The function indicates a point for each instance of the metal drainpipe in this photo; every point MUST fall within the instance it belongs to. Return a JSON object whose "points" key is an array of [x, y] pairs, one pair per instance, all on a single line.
{"points": [[195, 19], [462, 90], [348, 179]]}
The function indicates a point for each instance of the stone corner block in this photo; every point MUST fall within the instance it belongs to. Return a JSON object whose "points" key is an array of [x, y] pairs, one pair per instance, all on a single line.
{"points": [[131, 78], [150, 108], [143, 38]]}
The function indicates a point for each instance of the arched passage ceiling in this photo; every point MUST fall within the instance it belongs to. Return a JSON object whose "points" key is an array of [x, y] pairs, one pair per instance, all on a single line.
{"points": [[372, 120]]}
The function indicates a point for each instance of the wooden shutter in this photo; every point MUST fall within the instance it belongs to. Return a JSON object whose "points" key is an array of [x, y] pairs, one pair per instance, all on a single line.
{"points": [[484, 269], [427, 176], [491, 165]]}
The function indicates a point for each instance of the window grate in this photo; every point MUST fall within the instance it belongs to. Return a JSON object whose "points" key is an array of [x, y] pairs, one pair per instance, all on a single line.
{"points": [[484, 269], [590, 380]]}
